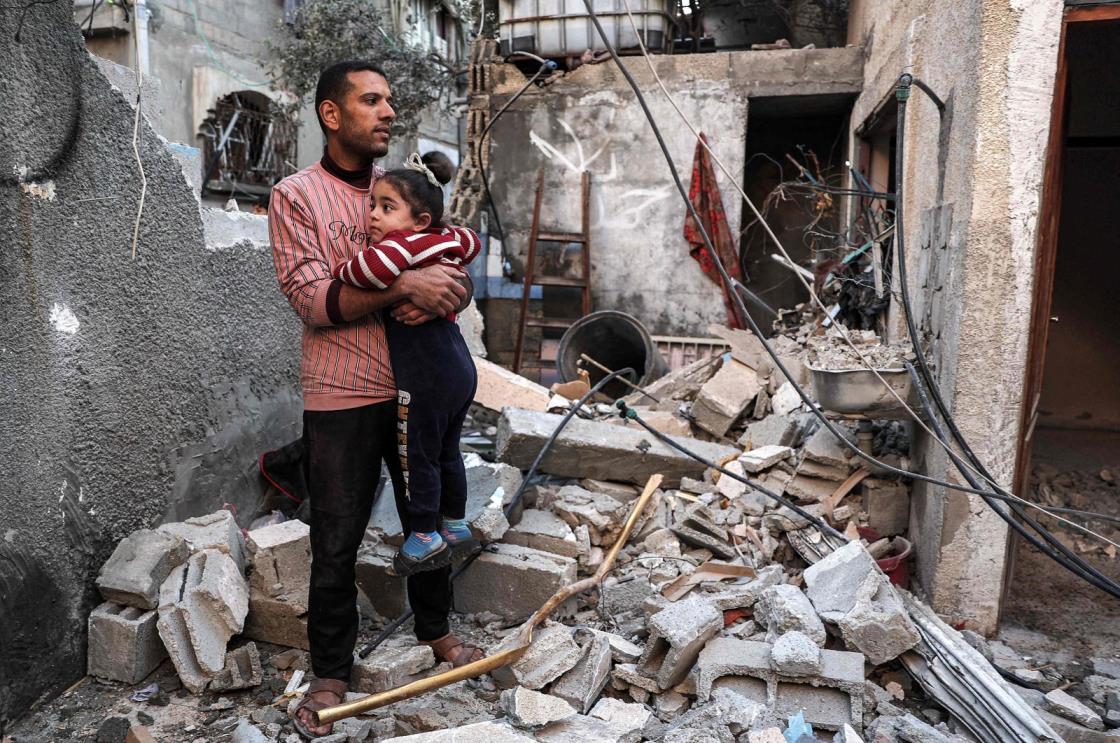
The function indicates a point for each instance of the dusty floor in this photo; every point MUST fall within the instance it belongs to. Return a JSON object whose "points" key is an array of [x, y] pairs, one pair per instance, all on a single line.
{"points": [[1047, 598]]}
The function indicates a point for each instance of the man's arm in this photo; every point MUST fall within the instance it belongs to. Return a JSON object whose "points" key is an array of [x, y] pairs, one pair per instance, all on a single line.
{"points": [[409, 314], [434, 290]]}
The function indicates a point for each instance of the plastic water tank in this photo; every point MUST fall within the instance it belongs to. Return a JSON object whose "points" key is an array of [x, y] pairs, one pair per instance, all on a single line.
{"points": [[562, 28]]}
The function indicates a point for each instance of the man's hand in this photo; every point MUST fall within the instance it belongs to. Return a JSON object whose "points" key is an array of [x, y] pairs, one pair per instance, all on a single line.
{"points": [[409, 314], [434, 289]]}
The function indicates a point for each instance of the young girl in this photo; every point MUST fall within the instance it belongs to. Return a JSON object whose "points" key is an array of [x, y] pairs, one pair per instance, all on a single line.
{"points": [[434, 371]]}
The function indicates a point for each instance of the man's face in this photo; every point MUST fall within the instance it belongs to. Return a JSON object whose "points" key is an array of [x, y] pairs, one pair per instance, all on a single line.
{"points": [[365, 115]]}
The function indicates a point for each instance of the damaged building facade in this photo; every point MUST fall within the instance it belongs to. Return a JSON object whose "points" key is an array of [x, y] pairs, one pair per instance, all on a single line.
{"points": [[143, 389]]}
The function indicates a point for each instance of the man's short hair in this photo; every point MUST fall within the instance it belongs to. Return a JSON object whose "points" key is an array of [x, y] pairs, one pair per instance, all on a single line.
{"points": [[334, 83]]}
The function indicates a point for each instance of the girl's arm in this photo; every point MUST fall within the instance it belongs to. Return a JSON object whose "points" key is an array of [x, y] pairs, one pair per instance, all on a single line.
{"points": [[379, 265]]}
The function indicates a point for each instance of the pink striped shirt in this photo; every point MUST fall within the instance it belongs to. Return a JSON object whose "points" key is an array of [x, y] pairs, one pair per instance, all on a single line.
{"points": [[315, 222]]}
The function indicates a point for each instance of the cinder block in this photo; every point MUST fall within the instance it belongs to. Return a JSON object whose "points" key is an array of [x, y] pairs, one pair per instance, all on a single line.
{"points": [[677, 634], [139, 566], [241, 671], [389, 668], [280, 621], [280, 556], [512, 581], [387, 594], [214, 604], [124, 643], [215, 531]]}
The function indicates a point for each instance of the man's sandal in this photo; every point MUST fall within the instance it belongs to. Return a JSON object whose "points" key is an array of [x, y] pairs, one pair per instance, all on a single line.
{"points": [[404, 566], [312, 706], [450, 649]]}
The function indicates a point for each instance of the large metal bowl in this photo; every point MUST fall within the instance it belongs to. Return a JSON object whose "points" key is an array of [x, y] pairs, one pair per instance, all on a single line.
{"points": [[858, 393]]}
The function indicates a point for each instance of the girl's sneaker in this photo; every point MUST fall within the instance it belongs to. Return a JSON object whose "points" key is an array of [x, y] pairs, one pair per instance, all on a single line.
{"points": [[420, 552], [457, 533]]}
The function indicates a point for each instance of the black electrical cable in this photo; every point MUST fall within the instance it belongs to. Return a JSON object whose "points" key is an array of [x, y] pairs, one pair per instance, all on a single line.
{"points": [[547, 65], [525, 481], [742, 308], [629, 414], [1076, 563]]}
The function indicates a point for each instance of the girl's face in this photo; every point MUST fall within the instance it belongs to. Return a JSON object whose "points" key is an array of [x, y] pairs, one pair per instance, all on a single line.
{"points": [[391, 212]]}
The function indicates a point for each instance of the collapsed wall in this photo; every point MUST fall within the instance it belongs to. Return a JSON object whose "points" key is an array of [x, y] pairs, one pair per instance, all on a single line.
{"points": [[137, 390]]}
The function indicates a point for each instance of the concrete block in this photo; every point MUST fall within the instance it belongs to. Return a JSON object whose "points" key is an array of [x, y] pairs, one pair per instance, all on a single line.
{"points": [[498, 388], [583, 684], [1064, 705], [601, 514], [280, 557], [633, 717], [848, 589], [388, 668], [824, 448], [490, 525], [215, 531], [887, 505], [512, 581], [124, 644], [241, 671], [531, 710], [138, 567], [598, 450], [725, 656], [795, 654], [774, 430], [214, 602], [280, 621], [545, 531], [489, 731], [387, 594], [552, 653], [783, 608], [172, 627], [677, 634], [724, 398], [764, 457]]}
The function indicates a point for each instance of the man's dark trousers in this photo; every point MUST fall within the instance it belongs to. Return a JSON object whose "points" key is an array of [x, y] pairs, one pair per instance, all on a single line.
{"points": [[345, 449]]}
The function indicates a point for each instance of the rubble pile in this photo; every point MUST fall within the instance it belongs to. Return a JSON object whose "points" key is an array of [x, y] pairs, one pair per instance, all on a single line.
{"points": [[727, 616]]}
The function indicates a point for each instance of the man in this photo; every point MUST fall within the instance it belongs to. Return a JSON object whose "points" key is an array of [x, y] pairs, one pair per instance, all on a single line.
{"points": [[317, 219]]}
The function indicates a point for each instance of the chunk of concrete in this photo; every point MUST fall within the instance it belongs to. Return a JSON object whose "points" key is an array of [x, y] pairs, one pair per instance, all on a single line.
{"points": [[624, 714], [387, 594], [583, 684], [775, 430], [887, 505], [532, 710], [724, 656], [724, 398], [216, 531], [552, 653], [545, 531], [124, 644], [215, 602], [280, 621], [512, 581], [796, 654], [598, 450], [499, 387], [764, 457], [585, 728], [805, 489], [138, 567], [659, 420], [670, 705], [489, 731], [677, 634], [242, 669], [824, 448], [1064, 705], [489, 525], [783, 609], [601, 514], [388, 668], [847, 589], [785, 400], [280, 556], [172, 628], [728, 486]]}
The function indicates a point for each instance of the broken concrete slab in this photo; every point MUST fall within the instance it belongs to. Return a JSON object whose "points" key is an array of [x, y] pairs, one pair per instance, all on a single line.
{"points": [[214, 604], [552, 653], [776, 430], [600, 513], [389, 668], [139, 565], [1064, 705], [677, 634], [281, 620], [215, 531], [280, 557], [623, 714], [598, 450], [805, 489], [489, 731], [796, 654], [824, 448], [512, 581], [532, 710], [724, 398], [124, 644], [582, 685], [784, 608], [499, 387], [660, 420], [764, 457], [847, 589], [242, 669]]}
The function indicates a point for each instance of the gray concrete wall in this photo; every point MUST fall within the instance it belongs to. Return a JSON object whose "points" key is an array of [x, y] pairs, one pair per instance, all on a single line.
{"points": [[589, 119], [972, 183], [135, 390]]}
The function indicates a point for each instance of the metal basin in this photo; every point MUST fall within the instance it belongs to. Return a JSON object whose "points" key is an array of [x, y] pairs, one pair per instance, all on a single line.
{"points": [[858, 393]]}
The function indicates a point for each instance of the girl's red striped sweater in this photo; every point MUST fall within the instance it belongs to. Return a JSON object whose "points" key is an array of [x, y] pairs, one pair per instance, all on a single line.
{"points": [[378, 265]]}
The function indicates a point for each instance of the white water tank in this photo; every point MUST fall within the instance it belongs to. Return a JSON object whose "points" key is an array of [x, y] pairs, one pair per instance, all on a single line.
{"points": [[562, 28]]}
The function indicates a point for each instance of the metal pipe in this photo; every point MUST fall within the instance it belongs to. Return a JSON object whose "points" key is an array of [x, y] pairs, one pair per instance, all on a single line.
{"points": [[524, 635]]}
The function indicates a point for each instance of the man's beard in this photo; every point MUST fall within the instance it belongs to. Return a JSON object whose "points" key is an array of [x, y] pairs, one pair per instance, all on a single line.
{"points": [[363, 144]]}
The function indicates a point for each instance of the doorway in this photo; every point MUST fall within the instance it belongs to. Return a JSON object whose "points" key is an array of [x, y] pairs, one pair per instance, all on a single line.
{"points": [[1070, 456]]}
